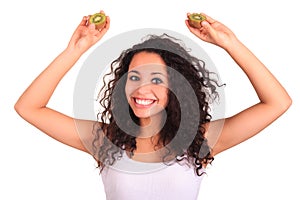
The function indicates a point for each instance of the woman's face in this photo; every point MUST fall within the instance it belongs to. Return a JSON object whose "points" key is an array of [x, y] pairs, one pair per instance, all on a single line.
{"points": [[147, 84]]}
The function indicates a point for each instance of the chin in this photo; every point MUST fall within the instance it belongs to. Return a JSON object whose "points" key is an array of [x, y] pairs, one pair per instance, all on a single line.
{"points": [[147, 114], [143, 115]]}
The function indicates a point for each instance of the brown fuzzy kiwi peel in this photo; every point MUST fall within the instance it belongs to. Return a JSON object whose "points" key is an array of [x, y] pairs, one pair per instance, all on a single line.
{"points": [[99, 19], [195, 19]]}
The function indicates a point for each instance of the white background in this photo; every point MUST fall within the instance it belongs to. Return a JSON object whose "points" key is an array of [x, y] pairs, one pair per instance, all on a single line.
{"points": [[33, 33]]}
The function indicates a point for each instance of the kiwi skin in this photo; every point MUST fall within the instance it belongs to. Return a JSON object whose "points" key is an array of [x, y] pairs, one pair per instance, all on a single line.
{"points": [[98, 25], [195, 20]]}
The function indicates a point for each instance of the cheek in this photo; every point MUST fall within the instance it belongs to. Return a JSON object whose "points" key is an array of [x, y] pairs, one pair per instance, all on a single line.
{"points": [[129, 89], [163, 95]]}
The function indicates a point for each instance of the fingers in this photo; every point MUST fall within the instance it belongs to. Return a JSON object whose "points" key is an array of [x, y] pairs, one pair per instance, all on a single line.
{"points": [[92, 29], [205, 25], [107, 25], [208, 18], [192, 29], [102, 31]]}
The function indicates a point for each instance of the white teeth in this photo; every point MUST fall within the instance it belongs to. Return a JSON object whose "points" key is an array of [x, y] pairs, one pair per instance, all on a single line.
{"points": [[144, 102]]}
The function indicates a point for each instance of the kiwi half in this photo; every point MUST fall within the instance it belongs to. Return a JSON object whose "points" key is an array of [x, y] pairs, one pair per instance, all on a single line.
{"points": [[98, 19], [195, 19]]}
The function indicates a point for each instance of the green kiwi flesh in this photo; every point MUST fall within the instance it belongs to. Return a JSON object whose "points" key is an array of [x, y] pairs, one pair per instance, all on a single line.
{"points": [[195, 19], [98, 19]]}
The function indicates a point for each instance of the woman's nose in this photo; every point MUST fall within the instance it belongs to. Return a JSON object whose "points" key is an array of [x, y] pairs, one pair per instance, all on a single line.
{"points": [[144, 88]]}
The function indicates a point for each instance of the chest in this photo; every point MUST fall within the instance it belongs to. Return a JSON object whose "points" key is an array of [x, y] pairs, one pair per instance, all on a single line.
{"points": [[168, 182]]}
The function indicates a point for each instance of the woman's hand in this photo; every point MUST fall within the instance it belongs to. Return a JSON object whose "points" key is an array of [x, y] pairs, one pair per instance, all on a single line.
{"points": [[86, 35], [213, 32], [33, 103], [273, 98]]}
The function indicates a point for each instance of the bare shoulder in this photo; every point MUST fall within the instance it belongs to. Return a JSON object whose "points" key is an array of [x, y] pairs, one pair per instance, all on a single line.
{"points": [[213, 132], [90, 134]]}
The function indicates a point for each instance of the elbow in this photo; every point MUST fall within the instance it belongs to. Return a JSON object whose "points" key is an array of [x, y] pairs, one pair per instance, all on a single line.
{"points": [[280, 105], [289, 103], [21, 109], [18, 108], [285, 104]]}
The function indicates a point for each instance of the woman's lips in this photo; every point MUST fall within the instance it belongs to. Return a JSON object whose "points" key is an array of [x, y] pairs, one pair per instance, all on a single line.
{"points": [[143, 103]]}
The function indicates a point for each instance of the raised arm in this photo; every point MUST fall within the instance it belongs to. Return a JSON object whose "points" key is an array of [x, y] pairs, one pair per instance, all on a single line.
{"points": [[274, 100], [32, 105]]}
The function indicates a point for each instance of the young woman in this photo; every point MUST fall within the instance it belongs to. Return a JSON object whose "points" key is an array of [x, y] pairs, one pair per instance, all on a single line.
{"points": [[155, 135]]}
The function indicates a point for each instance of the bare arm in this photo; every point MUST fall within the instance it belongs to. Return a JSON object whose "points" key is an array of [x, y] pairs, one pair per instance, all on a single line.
{"points": [[274, 100], [32, 105]]}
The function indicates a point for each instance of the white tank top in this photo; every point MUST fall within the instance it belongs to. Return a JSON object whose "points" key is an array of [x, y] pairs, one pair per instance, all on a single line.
{"points": [[132, 180]]}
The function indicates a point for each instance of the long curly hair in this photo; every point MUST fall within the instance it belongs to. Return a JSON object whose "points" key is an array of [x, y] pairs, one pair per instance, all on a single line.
{"points": [[183, 132]]}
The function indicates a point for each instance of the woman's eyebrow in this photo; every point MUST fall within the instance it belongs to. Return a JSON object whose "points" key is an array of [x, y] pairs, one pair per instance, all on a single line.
{"points": [[134, 71], [154, 73]]}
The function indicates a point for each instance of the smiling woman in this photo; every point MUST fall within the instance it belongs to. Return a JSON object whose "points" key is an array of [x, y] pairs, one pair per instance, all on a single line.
{"points": [[160, 101], [147, 85], [155, 135]]}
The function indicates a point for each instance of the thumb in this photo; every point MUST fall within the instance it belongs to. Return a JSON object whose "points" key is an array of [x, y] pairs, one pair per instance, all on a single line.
{"points": [[208, 29], [206, 26]]}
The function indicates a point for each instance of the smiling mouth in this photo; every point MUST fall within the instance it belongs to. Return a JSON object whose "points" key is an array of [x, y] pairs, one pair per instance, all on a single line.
{"points": [[143, 102]]}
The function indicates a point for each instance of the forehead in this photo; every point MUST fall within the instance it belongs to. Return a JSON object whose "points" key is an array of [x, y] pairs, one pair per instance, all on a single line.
{"points": [[147, 61]]}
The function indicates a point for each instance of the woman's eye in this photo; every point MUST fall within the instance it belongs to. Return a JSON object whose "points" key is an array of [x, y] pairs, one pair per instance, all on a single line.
{"points": [[134, 78], [156, 80]]}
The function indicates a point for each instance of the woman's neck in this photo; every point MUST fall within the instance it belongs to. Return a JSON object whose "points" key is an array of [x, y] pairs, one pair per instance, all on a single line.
{"points": [[151, 126]]}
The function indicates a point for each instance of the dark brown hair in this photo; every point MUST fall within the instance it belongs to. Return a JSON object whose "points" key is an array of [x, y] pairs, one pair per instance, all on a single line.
{"points": [[189, 143]]}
